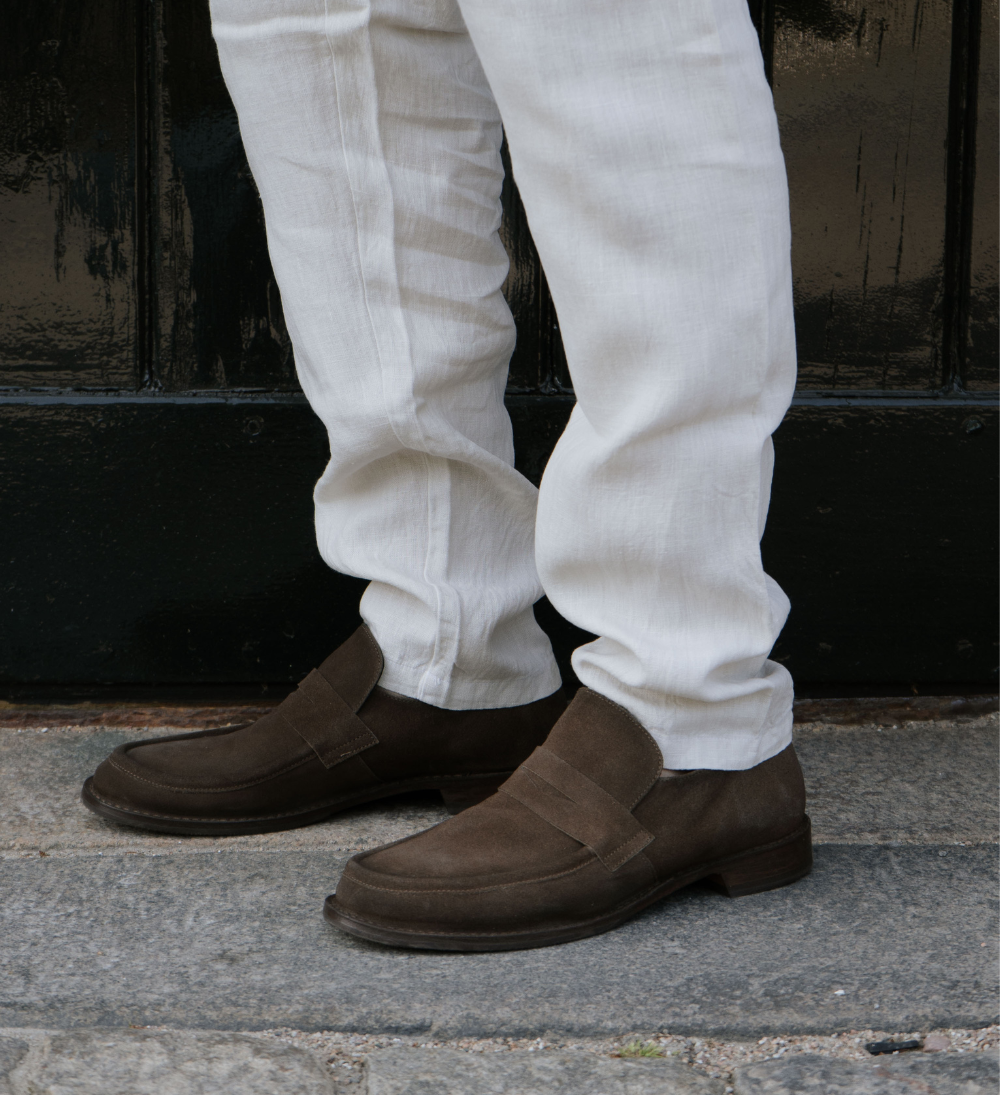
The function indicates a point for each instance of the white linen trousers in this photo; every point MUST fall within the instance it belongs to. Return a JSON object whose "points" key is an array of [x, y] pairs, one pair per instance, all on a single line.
{"points": [[645, 147]]}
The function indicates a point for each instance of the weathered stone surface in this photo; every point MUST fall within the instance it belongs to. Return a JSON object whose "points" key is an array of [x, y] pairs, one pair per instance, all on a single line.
{"points": [[236, 941], [12, 1052], [920, 784], [147, 932], [139, 1062], [925, 783], [446, 1072], [899, 1074], [40, 808]]}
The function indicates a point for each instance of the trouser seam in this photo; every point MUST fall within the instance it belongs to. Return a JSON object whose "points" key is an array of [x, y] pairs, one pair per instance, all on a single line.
{"points": [[437, 654]]}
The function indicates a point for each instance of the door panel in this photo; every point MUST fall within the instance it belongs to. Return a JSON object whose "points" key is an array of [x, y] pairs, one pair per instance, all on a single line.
{"points": [[217, 311], [156, 511], [980, 366], [861, 89], [69, 308], [177, 544]]}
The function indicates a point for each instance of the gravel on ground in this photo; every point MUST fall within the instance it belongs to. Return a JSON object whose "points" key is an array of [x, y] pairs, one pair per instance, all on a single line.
{"points": [[344, 1053]]}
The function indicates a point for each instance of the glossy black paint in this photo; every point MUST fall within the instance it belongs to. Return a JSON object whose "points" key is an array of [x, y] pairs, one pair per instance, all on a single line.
{"points": [[68, 294], [861, 89], [169, 540], [963, 104], [873, 97], [164, 542], [538, 364], [132, 566], [979, 365], [882, 531], [217, 318], [217, 321]]}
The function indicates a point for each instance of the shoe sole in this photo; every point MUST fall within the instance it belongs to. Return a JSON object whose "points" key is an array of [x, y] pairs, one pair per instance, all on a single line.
{"points": [[767, 867], [458, 794]]}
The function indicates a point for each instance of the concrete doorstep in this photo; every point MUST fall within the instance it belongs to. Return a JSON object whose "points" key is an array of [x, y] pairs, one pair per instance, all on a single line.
{"points": [[920, 783], [110, 928], [875, 938], [133, 1062]]}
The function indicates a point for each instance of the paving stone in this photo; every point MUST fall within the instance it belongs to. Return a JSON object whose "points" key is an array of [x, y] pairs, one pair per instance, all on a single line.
{"points": [[922, 783], [236, 941], [447, 1072], [12, 1052], [900, 1074], [919, 783], [139, 1062], [40, 809]]}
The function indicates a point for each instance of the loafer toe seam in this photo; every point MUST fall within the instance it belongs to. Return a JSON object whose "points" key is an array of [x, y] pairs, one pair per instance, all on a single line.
{"points": [[630, 900], [707, 865], [479, 889], [208, 790]]}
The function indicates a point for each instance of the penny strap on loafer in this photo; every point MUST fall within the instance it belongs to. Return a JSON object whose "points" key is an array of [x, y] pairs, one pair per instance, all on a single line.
{"points": [[325, 721], [577, 806]]}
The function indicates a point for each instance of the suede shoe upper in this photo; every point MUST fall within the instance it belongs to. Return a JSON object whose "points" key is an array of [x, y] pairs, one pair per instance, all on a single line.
{"points": [[586, 826], [337, 739]]}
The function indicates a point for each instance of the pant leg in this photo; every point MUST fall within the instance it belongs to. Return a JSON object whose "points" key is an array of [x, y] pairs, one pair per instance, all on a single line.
{"points": [[645, 147], [374, 141]]}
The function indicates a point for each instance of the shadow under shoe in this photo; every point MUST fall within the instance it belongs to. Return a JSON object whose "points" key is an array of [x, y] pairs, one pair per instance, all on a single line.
{"points": [[584, 835], [337, 741]]}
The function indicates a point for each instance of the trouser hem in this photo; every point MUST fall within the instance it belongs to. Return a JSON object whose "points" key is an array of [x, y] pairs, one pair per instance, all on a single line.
{"points": [[462, 693], [731, 752]]}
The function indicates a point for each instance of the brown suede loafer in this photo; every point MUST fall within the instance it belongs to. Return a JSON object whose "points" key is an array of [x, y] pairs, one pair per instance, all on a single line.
{"points": [[585, 834], [338, 741]]}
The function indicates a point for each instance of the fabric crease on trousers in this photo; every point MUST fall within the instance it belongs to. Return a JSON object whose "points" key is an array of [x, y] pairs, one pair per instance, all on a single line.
{"points": [[646, 151]]}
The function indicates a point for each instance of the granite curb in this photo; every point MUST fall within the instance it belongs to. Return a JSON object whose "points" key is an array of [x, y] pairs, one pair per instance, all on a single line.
{"points": [[139, 1062], [172, 1062], [898, 1074]]}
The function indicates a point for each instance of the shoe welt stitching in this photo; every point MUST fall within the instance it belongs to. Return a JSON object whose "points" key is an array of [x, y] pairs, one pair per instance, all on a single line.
{"points": [[212, 820]]}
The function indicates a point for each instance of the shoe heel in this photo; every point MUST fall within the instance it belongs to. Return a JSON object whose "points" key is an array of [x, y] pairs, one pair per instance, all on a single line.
{"points": [[460, 796], [767, 868]]}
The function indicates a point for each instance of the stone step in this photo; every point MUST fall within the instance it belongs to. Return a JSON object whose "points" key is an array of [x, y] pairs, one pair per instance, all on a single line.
{"points": [[895, 929], [891, 938], [918, 783], [89, 1062]]}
